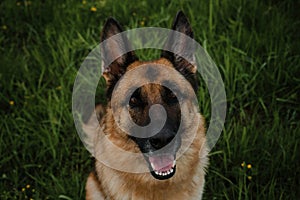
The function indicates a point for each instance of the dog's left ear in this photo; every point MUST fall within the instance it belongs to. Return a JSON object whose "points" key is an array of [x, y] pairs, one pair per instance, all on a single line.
{"points": [[116, 53], [181, 45]]}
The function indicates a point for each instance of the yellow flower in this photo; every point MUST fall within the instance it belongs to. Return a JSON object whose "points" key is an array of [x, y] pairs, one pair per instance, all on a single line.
{"points": [[33, 190], [27, 186], [93, 9], [83, 2], [23, 189], [243, 164], [58, 87], [142, 23], [11, 103], [249, 166], [4, 27], [249, 178]]}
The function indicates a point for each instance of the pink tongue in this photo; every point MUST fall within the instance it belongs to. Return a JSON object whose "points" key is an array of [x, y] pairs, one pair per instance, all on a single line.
{"points": [[162, 163]]}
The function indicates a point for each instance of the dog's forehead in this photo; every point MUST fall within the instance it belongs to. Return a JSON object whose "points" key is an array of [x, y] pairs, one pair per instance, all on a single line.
{"points": [[152, 92], [151, 71], [151, 75], [161, 62]]}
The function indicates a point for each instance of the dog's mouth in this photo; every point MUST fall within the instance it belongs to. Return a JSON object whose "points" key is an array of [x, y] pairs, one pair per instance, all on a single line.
{"points": [[162, 166]]}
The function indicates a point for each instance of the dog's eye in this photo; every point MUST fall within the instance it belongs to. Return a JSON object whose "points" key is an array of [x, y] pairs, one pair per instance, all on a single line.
{"points": [[171, 98], [134, 102], [171, 95]]}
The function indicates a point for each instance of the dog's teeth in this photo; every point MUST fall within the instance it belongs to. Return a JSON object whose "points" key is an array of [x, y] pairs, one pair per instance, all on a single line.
{"points": [[165, 173], [174, 163]]}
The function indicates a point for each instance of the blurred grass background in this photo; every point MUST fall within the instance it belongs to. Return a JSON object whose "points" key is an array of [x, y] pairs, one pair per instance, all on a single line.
{"points": [[255, 44]]}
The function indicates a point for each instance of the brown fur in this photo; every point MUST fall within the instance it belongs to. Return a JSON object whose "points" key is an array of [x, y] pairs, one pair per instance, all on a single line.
{"points": [[111, 184], [187, 183]]}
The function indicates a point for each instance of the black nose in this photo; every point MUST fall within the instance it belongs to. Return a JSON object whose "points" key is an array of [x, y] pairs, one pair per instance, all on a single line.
{"points": [[161, 139]]}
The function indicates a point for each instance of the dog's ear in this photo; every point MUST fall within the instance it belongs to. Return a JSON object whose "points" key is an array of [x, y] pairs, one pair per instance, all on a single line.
{"points": [[114, 61], [179, 44]]}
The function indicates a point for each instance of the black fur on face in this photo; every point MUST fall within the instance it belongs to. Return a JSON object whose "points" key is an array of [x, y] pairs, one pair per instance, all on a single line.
{"points": [[159, 150], [140, 103]]}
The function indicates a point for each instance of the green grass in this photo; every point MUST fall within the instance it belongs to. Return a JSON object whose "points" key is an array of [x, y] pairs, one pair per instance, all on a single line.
{"points": [[255, 44]]}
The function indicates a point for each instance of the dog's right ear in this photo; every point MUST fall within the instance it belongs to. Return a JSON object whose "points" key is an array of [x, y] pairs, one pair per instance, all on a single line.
{"points": [[114, 61]]}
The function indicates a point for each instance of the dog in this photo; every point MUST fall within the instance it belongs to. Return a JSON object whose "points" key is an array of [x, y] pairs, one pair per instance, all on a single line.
{"points": [[167, 176]]}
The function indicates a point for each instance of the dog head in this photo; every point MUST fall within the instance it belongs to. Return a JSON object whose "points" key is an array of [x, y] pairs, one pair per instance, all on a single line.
{"points": [[162, 165]]}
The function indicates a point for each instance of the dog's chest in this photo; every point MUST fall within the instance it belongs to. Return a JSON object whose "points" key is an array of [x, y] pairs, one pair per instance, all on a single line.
{"points": [[154, 193]]}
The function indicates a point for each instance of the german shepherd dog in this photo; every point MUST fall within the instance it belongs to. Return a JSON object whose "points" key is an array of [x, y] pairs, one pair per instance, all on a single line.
{"points": [[168, 176]]}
